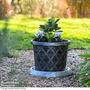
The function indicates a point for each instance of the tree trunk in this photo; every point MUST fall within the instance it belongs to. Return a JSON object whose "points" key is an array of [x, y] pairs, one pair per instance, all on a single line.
{"points": [[3, 8], [41, 6]]}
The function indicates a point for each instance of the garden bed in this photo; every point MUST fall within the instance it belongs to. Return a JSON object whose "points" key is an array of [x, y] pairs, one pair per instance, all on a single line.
{"points": [[16, 70]]}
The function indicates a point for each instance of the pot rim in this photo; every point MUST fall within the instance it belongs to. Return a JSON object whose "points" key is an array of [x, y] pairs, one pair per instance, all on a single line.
{"points": [[65, 42]]}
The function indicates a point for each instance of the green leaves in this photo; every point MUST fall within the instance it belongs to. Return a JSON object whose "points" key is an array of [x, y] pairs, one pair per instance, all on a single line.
{"points": [[85, 55], [86, 70], [42, 27], [86, 82], [57, 20], [81, 76], [50, 26], [43, 39], [83, 72], [87, 63], [82, 63], [50, 37]]}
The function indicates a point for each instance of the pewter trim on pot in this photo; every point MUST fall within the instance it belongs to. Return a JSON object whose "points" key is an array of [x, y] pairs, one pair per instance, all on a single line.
{"points": [[64, 42], [66, 72]]}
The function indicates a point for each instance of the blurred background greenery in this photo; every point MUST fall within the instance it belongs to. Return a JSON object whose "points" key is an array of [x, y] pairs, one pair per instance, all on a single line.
{"points": [[25, 16], [47, 8]]}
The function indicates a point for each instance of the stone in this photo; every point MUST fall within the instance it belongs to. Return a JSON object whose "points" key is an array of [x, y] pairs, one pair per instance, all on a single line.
{"points": [[26, 59]]}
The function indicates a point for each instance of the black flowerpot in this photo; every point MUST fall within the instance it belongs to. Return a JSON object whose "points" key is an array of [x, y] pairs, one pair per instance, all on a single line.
{"points": [[50, 56]]}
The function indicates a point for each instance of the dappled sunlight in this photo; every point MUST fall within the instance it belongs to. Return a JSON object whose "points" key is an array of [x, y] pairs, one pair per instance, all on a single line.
{"points": [[73, 29]]}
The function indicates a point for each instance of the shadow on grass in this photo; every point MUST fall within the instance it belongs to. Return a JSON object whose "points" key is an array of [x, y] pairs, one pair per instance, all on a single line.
{"points": [[86, 40], [17, 40], [77, 43]]}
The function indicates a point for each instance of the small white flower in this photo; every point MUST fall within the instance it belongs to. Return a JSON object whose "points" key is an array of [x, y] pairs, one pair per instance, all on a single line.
{"points": [[37, 35], [58, 34], [40, 33]]}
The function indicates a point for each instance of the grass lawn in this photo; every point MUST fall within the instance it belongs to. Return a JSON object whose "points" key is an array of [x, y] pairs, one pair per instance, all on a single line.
{"points": [[73, 29]]}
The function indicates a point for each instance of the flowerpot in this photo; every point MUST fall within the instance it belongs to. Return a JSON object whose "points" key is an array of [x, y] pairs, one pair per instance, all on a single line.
{"points": [[50, 56]]}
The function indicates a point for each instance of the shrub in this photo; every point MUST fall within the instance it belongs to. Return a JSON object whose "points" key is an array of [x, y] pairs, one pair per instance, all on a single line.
{"points": [[85, 72]]}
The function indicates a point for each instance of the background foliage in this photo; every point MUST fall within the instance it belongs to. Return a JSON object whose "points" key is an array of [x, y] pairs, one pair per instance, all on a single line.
{"points": [[58, 8], [46, 8]]}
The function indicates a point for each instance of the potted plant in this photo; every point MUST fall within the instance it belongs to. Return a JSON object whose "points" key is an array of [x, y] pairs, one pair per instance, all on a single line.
{"points": [[50, 51]]}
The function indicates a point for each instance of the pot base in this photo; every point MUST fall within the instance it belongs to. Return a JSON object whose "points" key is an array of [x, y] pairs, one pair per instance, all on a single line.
{"points": [[66, 72]]}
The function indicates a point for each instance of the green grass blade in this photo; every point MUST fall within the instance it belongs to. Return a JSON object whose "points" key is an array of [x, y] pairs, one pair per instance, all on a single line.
{"points": [[84, 81], [87, 83], [87, 63], [86, 41], [85, 55], [81, 76], [82, 63], [87, 49], [84, 71]]}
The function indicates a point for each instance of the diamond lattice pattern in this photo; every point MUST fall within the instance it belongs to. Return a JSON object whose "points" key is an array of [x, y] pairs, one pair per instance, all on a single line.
{"points": [[50, 58]]}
